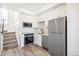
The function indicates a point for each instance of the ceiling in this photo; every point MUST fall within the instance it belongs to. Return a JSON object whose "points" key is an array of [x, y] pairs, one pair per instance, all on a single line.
{"points": [[33, 7]]}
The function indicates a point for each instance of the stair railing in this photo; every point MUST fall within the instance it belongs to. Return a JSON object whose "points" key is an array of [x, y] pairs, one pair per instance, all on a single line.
{"points": [[1, 35], [1, 41]]}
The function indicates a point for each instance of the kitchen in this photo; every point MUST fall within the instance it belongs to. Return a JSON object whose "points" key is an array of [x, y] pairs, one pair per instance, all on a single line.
{"points": [[39, 29], [31, 25]]}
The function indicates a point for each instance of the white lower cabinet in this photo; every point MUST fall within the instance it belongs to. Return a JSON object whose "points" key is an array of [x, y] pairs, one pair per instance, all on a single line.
{"points": [[22, 40], [38, 39]]}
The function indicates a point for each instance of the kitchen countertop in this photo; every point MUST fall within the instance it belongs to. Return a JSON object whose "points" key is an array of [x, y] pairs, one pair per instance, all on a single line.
{"points": [[43, 34]]}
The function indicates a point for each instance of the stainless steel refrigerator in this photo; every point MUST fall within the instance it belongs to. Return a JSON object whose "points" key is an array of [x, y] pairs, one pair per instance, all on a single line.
{"points": [[57, 36]]}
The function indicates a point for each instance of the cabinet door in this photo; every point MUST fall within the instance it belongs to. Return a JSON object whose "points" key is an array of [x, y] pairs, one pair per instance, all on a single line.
{"points": [[61, 45], [52, 44], [37, 39], [52, 26], [60, 25], [44, 41]]}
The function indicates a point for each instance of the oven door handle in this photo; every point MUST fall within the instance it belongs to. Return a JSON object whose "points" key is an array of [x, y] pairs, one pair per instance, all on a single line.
{"points": [[29, 36]]}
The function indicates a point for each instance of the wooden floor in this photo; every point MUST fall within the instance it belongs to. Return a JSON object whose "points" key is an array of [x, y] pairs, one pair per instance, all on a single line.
{"points": [[29, 50]]}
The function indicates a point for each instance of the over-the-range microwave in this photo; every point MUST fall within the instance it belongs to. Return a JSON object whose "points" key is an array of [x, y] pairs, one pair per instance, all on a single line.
{"points": [[26, 24]]}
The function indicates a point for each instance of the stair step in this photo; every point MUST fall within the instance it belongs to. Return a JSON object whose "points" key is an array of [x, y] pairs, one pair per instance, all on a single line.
{"points": [[8, 32], [9, 35], [9, 38], [9, 42], [10, 46]]}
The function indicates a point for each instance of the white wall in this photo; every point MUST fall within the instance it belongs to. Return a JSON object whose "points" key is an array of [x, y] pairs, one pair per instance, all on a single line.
{"points": [[73, 29], [58, 11], [11, 27]]}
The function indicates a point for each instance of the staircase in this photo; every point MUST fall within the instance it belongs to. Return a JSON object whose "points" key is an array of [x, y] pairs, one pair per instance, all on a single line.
{"points": [[9, 40]]}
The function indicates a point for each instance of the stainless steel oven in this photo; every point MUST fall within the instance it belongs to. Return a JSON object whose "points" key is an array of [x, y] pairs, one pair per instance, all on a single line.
{"points": [[28, 38]]}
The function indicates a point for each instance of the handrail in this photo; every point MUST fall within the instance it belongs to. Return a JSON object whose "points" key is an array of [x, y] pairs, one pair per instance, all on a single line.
{"points": [[2, 26], [1, 34], [1, 41]]}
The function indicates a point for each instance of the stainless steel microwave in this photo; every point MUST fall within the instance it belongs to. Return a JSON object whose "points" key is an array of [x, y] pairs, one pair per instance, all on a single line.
{"points": [[25, 24]]}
